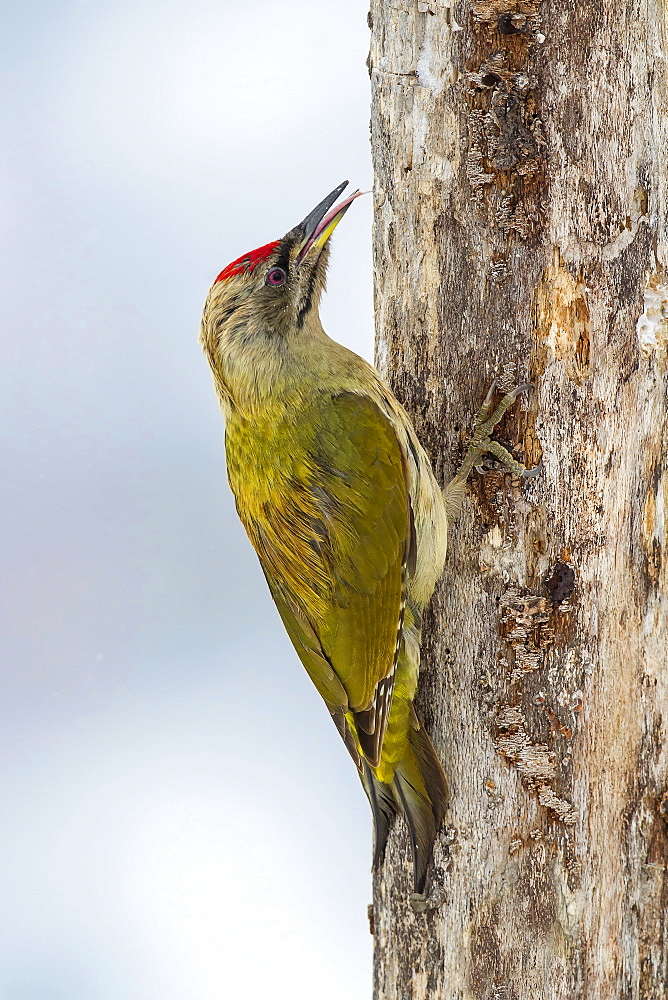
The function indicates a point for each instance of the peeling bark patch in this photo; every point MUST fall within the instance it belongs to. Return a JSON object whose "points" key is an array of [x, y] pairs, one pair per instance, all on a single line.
{"points": [[504, 133], [561, 584], [535, 761], [562, 325], [563, 809], [505, 155], [491, 11], [510, 142], [652, 325], [476, 174], [526, 629]]}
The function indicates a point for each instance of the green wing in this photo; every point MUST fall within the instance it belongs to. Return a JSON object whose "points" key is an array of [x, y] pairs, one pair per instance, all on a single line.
{"points": [[335, 542]]}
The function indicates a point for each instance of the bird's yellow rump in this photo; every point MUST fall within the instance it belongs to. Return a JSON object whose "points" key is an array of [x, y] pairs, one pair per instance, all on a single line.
{"points": [[341, 505]]}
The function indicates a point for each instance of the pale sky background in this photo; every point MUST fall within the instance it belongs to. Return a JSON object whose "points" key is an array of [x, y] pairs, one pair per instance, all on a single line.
{"points": [[179, 818]]}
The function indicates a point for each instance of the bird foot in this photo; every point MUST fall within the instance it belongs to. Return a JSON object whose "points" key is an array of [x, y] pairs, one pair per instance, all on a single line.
{"points": [[483, 444]]}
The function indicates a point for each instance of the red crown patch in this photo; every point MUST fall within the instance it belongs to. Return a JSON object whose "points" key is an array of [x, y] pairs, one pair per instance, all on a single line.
{"points": [[248, 262]]}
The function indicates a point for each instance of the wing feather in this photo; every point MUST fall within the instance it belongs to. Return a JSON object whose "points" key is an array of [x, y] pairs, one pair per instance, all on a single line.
{"points": [[336, 540]]}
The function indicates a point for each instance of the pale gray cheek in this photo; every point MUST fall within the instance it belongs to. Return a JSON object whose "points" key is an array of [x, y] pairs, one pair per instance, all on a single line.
{"points": [[224, 317], [235, 338]]}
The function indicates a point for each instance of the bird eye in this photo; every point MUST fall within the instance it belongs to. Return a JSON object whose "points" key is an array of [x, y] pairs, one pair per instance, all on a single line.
{"points": [[275, 277]]}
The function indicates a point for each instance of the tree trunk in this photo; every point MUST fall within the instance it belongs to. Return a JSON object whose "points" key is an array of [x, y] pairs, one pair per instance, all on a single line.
{"points": [[520, 153]]}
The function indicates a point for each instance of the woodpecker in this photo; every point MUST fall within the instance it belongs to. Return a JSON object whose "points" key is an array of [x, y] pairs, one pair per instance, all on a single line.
{"points": [[339, 500]]}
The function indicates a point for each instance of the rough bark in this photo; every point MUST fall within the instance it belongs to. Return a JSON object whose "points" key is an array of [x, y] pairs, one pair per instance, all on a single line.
{"points": [[520, 154]]}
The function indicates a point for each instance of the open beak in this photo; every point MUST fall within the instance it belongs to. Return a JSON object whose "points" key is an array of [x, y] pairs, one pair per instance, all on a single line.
{"points": [[319, 224]]}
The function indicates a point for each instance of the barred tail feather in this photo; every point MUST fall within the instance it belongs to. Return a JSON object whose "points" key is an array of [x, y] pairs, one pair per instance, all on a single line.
{"points": [[419, 792], [383, 809]]}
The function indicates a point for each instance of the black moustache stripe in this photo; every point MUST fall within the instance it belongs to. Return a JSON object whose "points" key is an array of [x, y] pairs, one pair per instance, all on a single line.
{"points": [[307, 301]]}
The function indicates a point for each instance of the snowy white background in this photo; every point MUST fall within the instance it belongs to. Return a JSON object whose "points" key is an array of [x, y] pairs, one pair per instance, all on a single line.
{"points": [[179, 818]]}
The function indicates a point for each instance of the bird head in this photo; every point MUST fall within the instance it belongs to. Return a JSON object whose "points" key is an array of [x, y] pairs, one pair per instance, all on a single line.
{"points": [[269, 297]]}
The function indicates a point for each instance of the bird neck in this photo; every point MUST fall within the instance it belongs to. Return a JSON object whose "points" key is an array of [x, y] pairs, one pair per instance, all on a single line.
{"points": [[262, 369]]}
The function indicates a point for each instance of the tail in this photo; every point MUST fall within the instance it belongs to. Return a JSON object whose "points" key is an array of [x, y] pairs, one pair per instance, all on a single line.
{"points": [[419, 792]]}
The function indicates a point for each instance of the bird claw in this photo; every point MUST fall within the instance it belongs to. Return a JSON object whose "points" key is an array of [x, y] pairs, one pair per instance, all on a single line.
{"points": [[532, 473], [483, 444], [490, 394], [518, 390]]}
